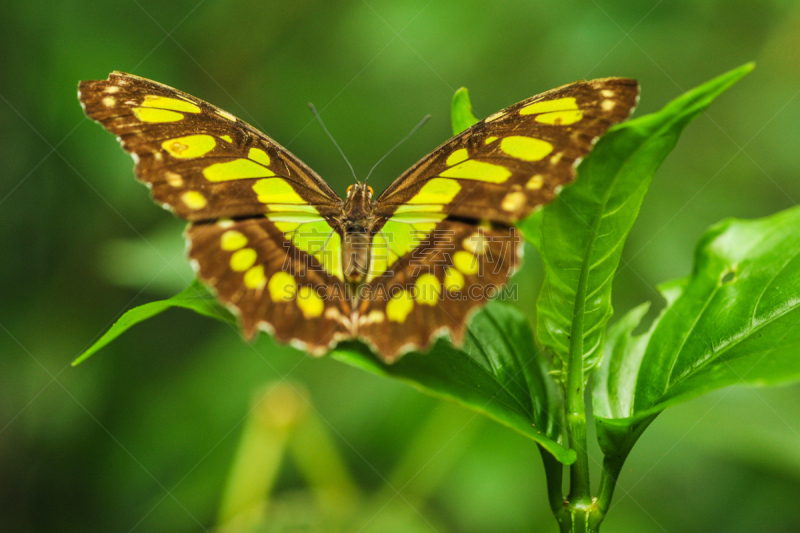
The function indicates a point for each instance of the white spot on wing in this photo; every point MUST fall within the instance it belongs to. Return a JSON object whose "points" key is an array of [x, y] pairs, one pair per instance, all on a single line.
{"points": [[499, 114]]}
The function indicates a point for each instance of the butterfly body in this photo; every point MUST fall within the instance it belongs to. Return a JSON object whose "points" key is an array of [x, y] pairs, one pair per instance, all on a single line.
{"points": [[282, 250], [358, 223]]}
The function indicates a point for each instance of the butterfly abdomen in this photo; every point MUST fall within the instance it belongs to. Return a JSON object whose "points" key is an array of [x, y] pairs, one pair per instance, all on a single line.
{"points": [[356, 252]]}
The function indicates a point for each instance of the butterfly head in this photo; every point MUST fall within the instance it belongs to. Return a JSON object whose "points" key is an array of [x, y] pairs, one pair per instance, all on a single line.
{"points": [[358, 207], [360, 189]]}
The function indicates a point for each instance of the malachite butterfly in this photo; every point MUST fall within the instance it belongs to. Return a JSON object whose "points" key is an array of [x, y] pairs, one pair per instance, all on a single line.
{"points": [[279, 247]]}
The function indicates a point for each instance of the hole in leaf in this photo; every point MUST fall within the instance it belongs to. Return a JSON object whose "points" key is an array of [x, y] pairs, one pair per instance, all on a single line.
{"points": [[729, 276]]}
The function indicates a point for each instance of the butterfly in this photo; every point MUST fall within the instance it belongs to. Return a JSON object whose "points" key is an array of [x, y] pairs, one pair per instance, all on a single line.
{"points": [[288, 256]]}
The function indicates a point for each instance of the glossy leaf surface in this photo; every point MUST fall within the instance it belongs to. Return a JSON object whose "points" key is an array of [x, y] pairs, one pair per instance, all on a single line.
{"points": [[733, 321], [498, 373], [582, 233]]}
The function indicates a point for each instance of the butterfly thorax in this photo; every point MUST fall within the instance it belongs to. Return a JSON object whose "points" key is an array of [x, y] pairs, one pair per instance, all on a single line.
{"points": [[357, 224]]}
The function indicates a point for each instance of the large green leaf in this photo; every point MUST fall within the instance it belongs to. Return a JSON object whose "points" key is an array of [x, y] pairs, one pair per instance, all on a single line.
{"points": [[195, 297], [498, 372], [584, 230], [733, 321]]}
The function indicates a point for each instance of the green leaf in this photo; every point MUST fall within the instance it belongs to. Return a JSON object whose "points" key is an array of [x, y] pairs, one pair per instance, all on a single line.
{"points": [[584, 230], [733, 321], [461, 111], [195, 297], [497, 373]]}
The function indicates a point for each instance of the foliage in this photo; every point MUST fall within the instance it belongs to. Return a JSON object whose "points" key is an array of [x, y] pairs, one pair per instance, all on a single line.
{"points": [[730, 322], [584, 230]]}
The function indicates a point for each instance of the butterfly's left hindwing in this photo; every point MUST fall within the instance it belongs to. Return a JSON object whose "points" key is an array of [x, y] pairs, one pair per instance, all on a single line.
{"points": [[453, 269]]}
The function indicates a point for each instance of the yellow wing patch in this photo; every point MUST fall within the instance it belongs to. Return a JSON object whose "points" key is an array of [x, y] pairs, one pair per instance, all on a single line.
{"points": [[309, 302], [453, 279], [525, 148], [457, 157], [398, 308], [194, 200], [146, 114], [478, 170], [238, 169], [173, 104], [232, 240], [243, 259], [535, 182], [428, 289], [437, 191], [548, 106], [254, 278], [313, 235], [259, 156], [276, 191], [465, 262], [513, 201], [282, 287], [560, 118], [190, 146]]}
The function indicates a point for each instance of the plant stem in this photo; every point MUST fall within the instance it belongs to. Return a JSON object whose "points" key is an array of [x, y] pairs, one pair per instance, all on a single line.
{"points": [[554, 471], [579, 501], [612, 466], [616, 453], [579, 487]]}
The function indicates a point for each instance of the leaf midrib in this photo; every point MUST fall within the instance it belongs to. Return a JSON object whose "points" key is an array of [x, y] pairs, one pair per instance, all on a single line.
{"points": [[722, 351]]}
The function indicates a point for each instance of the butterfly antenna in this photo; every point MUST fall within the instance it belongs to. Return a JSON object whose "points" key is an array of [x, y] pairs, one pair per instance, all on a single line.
{"points": [[319, 118], [396, 146]]}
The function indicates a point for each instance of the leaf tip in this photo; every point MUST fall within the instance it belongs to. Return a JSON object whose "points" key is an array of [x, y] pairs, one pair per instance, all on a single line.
{"points": [[461, 111], [461, 91]]}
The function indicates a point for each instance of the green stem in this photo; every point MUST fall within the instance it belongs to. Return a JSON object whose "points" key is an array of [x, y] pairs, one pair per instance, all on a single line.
{"points": [[616, 453], [612, 466], [579, 487], [554, 471], [579, 501]]}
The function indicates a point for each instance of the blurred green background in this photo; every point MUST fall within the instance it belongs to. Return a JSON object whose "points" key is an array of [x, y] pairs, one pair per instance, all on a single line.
{"points": [[146, 435]]}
